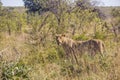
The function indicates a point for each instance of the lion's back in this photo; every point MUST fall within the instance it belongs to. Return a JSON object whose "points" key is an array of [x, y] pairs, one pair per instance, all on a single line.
{"points": [[92, 46]]}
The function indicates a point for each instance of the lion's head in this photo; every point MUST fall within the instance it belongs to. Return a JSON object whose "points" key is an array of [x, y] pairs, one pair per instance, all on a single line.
{"points": [[60, 38]]}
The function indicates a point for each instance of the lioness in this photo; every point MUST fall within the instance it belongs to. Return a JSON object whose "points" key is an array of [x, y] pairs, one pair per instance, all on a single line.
{"points": [[91, 47]]}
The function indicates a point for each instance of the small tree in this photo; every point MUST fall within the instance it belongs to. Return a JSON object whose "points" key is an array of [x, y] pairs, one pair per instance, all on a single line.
{"points": [[0, 5], [116, 21], [56, 7]]}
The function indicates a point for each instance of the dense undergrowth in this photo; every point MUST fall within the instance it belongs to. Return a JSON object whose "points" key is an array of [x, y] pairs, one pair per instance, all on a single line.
{"points": [[28, 49]]}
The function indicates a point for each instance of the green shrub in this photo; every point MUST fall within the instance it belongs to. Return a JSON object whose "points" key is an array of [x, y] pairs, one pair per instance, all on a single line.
{"points": [[80, 37], [60, 52], [99, 35], [51, 55], [14, 71]]}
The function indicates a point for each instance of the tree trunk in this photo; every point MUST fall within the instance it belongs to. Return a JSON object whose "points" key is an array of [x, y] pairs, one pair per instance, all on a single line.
{"points": [[9, 30]]}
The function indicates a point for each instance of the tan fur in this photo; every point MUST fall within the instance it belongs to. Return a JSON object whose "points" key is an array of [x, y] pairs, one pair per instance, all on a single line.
{"points": [[91, 47]]}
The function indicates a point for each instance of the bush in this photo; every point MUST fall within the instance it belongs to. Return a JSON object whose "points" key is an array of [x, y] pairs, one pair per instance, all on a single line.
{"points": [[99, 35], [80, 37], [14, 71]]}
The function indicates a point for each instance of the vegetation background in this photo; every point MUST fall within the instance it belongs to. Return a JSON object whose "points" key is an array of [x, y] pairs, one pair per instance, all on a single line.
{"points": [[28, 49]]}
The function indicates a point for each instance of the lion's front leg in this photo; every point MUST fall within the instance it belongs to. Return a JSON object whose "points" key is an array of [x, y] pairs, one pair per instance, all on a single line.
{"points": [[74, 56]]}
